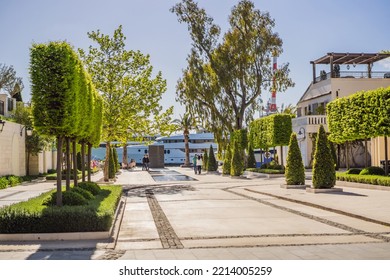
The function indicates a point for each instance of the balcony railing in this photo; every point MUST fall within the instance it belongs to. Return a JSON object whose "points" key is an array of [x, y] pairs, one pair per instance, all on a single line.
{"points": [[354, 74], [309, 120]]}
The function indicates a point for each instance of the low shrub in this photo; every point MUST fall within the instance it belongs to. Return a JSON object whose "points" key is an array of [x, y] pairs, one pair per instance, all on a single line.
{"points": [[92, 187], [71, 198], [271, 165], [85, 193], [266, 171], [3, 183], [353, 171], [373, 170], [54, 176], [33, 217], [364, 179], [14, 180]]}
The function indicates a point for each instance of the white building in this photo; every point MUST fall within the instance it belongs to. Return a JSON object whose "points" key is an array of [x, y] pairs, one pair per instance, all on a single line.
{"points": [[346, 76]]}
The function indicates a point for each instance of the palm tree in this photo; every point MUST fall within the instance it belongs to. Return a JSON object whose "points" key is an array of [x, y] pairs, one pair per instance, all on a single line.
{"points": [[186, 123]]}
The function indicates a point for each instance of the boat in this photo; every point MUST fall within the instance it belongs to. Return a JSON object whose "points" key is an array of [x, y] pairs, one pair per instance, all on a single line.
{"points": [[174, 148]]}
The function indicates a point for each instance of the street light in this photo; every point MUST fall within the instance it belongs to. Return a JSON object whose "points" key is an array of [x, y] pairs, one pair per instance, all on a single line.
{"points": [[2, 123], [27, 129], [301, 134]]}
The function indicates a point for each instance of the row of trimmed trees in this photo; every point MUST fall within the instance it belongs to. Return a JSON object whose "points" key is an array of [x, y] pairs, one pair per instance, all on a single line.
{"points": [[362, 115], [65, 104]]}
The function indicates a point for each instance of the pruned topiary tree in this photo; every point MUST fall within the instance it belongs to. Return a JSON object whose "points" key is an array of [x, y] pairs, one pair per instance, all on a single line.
{"points": [[295, 170], [212, 162], [227, 161], [205, 160], [324, 174]]}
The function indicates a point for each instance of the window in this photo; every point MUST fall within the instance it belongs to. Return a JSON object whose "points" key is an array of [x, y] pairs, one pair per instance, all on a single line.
{"points": [[299, 112], [1, 107], [10, 104]]}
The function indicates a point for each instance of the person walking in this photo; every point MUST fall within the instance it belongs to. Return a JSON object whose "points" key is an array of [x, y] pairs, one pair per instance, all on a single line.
{"points": [[194, 163], [199, 163], [145, 162]]}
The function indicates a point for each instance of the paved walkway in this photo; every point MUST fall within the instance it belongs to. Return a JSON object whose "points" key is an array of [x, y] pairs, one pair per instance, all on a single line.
{"points": [[218, 217]]}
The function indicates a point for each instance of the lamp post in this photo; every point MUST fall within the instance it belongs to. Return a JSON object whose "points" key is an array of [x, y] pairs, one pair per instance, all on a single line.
{"points": [[2, 123], [27, 129]]}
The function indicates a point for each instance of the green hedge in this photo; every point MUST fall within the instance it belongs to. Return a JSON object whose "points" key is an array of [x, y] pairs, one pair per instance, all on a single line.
{"points": [[10, 181], [33, 217], [361, 115], [270, 131], [365, 179], [266, 171]]}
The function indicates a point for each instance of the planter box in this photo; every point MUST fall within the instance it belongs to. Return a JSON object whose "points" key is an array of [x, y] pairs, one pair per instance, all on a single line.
{"points": [[330, 190]]}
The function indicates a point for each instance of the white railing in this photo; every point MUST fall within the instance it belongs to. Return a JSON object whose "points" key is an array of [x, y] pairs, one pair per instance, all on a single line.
{"points": [[309, 120]]}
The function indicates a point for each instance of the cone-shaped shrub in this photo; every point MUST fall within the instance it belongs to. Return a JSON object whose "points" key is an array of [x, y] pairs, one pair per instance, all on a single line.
{"points": [[212, 163], [227, 161], [205, 160], [324, 175], [251, 158], [295, 170]]}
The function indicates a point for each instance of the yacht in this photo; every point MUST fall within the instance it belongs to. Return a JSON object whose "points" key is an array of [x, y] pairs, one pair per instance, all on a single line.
{"points": [[174, 148]]}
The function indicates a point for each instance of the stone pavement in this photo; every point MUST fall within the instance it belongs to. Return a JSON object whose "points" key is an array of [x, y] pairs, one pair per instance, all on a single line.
{"points": [[218, 217]]}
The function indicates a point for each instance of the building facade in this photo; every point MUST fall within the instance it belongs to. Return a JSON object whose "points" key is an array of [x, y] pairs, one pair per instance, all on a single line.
{"points": [[337, 83]]}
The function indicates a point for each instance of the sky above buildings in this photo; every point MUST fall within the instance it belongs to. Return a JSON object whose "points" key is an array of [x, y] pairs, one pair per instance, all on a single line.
{"points": [[309, 29]]}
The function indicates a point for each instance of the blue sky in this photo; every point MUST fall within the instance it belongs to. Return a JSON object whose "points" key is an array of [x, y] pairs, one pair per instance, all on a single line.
{"points": [[309, 29]]}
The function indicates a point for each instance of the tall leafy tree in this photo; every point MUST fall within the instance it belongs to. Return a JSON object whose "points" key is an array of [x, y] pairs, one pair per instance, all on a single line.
{"points": [[185, 123], [52, 70], [226, 76], [130, 92]]}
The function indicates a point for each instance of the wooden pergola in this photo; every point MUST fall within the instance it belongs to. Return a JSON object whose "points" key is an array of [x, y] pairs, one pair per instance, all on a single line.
{"points": [[348, 59]]}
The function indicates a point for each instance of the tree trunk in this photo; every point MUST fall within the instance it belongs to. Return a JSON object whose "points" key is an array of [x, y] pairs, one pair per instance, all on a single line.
{"points": [[124, 156], [68, 163], [386, 157], [281, 155], [186, 148], [366, 153], [106, 162], [89, 161], [338, 155], [83, 161], [59, 171], [28, 163], [346, 155], [75, 178]]}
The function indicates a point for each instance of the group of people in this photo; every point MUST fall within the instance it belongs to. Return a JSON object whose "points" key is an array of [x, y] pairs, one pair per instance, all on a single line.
{"points": [[197, 161]]}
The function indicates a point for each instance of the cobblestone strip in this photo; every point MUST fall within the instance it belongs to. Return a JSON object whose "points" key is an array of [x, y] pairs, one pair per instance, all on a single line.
{"points": [[312, 217], [323, 208], [168, 237]]}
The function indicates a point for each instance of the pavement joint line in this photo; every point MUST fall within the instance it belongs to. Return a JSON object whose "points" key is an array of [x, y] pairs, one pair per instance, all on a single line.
{"points": [[11, 194], [168, 237], [280, 235], [312, 217], [323, 208], [276, 245]]}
